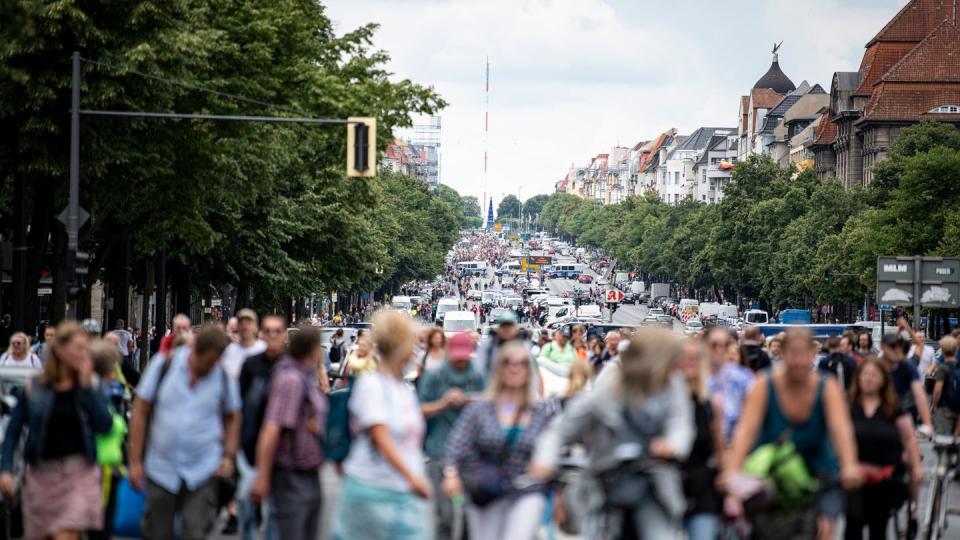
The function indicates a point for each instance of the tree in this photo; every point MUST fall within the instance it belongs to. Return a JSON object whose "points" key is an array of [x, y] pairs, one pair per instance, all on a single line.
{"points": [[264, 208], [534, 205], [509, 207], [471, 206]]}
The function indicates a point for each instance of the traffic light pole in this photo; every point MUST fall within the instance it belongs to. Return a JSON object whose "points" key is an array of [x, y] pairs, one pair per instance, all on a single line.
{"points": [[73, 205], [362, 162]]}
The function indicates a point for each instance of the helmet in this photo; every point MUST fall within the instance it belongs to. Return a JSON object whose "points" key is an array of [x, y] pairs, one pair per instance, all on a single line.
{"points": [[91, 326]]}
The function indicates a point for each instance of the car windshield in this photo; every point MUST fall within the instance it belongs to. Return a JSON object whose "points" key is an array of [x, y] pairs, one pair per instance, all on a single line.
{"points": [[458, 325], [694, 324]]}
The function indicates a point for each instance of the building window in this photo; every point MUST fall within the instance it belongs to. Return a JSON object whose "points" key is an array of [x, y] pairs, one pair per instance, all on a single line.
{"points": [[676, 177], [946, 109]]}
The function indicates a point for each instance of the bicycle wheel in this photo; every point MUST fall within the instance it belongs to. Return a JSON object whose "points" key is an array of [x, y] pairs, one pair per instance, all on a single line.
{"points": [[931, 519]]}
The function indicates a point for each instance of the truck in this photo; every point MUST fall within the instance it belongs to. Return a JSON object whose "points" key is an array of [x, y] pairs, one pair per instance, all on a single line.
{"points": [[659, 289], [621, 278]]}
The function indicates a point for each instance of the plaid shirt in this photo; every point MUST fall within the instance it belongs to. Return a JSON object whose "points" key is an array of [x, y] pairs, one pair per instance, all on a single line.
{"points": [[478, 437], [292, 410]]}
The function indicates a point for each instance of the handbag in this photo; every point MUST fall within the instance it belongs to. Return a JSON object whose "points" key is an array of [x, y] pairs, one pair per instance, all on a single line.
{"points": [[782, 465], [485, 481], [129, 511]]}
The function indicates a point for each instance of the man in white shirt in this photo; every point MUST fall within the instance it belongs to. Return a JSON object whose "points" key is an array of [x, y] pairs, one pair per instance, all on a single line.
{"points": [[246, 346]]}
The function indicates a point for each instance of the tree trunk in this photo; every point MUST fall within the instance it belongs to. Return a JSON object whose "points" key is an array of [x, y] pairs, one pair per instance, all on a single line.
{"points": [[148, 289]]}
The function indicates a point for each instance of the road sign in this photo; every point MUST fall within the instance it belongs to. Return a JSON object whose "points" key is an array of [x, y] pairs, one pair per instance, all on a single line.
{"points": [[918, 282], [886, 307], [614, 296]]}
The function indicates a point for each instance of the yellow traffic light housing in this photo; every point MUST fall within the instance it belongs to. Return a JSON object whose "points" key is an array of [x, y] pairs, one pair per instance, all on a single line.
{"points": [[361, 146]]}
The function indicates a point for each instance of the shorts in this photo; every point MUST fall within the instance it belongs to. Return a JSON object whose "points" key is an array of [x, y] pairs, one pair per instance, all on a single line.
{"points": [[831, 503]]}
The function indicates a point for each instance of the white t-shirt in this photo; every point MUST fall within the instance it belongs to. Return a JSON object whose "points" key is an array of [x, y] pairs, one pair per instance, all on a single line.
{"points": [[927, 357], [236, 354], [31, 361], [378, 398]]}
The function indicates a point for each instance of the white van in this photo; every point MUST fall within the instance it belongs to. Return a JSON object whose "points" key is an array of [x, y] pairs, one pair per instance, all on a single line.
{"points": [[638, 287], [444, 306], [402, 302], [455, 322], [756, 316]]}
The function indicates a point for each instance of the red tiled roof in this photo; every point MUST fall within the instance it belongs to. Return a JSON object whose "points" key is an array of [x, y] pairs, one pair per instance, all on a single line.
{"points": [[935, 59], [764, 98], [648, 156], [826, 131], [878, 59], [911, 102], [914, 21]]}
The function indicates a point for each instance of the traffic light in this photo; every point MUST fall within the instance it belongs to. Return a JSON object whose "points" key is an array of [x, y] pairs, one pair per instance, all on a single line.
{"points": [[82, 262], [79, 263], [826, 276], [361, 146]]}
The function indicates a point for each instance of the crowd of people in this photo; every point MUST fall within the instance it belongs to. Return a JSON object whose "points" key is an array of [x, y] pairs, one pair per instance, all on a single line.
{"points": [[722, 434], [665, 434]]}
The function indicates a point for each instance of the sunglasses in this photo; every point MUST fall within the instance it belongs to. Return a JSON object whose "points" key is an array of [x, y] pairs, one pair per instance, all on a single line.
{"points": [[516, 362]]}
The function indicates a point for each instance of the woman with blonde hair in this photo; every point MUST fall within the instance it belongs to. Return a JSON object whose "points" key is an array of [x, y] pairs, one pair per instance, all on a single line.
{"points": [[638, 424], [62, 411], [490, 447], [19, 354], [385, 486]]}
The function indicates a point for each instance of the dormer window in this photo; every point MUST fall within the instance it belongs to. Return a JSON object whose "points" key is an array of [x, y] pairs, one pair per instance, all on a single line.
{"points": [[946, 109]]}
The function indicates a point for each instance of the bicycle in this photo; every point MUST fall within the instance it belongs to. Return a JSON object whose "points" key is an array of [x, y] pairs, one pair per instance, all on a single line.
{"points": [[935, 516]]}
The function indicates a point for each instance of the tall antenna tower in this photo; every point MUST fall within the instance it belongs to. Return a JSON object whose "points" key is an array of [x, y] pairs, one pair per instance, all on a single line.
{"points": [[486, 133]]}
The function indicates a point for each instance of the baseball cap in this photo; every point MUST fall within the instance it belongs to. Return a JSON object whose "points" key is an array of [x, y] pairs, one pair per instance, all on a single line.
{"points": [[566, 331], [460, 346], [247, 313], [506, 317], [91, 326]]}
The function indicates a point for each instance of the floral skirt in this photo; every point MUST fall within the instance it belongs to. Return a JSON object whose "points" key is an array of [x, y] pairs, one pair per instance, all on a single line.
{"points": [[367, 512], [62, 495]]}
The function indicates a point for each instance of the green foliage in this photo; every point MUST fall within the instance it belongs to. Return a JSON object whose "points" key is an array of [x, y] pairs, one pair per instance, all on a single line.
{"points": [[777, 233], [265, 206], [509, 207], [534, 205], [471, 206]]}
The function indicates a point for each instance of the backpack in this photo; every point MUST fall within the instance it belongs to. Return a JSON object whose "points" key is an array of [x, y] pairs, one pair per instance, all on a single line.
{"points": [[951, 388], [336, 442], [336, 354]]}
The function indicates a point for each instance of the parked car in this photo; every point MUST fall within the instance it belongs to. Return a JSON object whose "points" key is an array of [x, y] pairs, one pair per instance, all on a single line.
{"points": [[666, 321], [693, 327]]}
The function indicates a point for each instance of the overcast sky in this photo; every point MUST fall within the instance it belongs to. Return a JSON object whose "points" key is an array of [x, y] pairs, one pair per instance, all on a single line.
{"points": [[573, 78]]}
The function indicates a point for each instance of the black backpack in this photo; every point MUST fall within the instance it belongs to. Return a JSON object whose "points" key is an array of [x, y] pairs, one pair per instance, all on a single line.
{"points": [[336, 354], [951, 388]]}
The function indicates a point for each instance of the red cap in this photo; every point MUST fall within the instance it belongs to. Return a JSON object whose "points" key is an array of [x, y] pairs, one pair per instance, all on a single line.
{"points": [[460, 346]]}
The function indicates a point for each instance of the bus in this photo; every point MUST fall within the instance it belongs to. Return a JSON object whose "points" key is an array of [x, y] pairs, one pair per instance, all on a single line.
{"points": [[476, 268], [566, 271]]}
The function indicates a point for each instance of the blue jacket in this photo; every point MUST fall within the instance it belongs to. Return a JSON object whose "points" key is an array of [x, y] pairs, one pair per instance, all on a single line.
{"points": [[33, 412]]}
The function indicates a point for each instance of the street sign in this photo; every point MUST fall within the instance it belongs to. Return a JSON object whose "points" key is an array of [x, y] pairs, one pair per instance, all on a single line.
{"points": [[886, 307], [614, 296], [918, 282]]}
